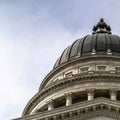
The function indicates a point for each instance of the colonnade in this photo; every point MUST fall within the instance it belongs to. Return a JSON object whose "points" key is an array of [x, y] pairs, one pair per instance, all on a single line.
{"points": [[90, 96]]}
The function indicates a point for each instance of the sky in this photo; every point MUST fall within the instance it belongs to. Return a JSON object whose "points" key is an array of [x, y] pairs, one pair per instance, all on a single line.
{"points": [[33, 34]]}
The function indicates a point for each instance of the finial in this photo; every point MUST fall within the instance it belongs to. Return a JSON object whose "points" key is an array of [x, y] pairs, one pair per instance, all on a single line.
{"points": [[101, 20], [101, 27]]}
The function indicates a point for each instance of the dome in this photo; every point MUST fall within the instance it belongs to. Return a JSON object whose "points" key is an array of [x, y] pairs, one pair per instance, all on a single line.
{"points": [[100, 42], [86, 75]]}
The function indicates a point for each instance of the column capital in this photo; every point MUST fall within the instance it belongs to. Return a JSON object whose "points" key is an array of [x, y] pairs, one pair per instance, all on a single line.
{"points": [[112, 90], [113, 93], [36, 111], [51, 101], [90, 90], [90, 93], [50, 104], [68, 94]]}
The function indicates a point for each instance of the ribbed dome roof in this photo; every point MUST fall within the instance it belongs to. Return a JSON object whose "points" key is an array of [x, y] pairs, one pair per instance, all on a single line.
{"points": [[100, 42]]}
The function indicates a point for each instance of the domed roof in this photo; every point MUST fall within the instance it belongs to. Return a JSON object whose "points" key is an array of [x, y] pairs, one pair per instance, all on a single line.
{"points": [[102, 41]]}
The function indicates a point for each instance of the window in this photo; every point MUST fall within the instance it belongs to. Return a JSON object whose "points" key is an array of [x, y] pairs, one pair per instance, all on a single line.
{"points": [[84, 70], [101, 68], [117, 69], [69, 74]]}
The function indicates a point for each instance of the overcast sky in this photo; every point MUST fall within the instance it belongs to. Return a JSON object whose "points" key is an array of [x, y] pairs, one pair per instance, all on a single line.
{"points": [[33, 34]]}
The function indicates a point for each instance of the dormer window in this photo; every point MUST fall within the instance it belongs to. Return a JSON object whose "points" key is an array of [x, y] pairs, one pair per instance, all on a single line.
{"points": [[101, 68], [117, 69], [84, 70]]}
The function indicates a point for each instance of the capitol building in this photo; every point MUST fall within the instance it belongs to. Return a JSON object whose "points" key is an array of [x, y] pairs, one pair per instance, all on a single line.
{"points": [[84, 83]]}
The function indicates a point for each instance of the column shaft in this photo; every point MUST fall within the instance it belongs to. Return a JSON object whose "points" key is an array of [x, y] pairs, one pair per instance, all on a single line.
{"points": [[90, 94], [68, 99], [50, 105], [113, 94]]}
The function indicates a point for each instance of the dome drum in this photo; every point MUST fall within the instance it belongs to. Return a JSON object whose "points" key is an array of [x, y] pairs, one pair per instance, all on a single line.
{"points": [[89, 62]]}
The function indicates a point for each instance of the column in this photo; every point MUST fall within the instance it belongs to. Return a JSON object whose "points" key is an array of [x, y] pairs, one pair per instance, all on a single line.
{"points": [[90, 94], [50, 105], [113, 94], [68, 98]]}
